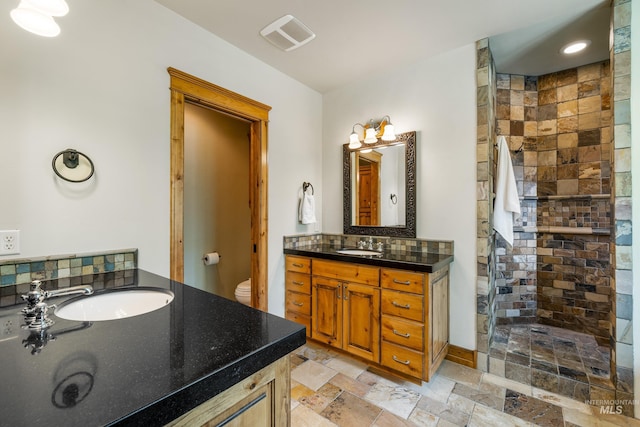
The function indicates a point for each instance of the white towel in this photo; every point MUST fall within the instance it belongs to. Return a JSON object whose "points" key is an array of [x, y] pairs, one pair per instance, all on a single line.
{"points": [[307, 209], [507, 202]]}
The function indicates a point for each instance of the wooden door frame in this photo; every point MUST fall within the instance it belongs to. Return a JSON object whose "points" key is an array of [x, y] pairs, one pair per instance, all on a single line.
{"points": [[187, 88], [374, 158]]}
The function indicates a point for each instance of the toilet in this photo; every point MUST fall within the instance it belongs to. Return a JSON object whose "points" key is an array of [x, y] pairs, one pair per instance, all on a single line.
{"points": [[243, 292]]}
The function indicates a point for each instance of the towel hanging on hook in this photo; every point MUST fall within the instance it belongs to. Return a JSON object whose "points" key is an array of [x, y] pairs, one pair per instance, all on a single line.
{"points": [[307, 206]]}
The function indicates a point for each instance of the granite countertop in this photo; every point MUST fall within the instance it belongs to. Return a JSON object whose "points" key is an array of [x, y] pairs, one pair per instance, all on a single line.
{"points": [[416, 261], [138, 371]]}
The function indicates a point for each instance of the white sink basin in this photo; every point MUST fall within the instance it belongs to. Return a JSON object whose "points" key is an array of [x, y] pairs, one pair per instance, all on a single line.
{"points": [[361, 252], [116, 304]]}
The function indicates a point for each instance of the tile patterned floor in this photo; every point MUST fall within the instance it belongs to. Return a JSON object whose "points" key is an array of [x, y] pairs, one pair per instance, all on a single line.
{"points": [[554, 359], [329, 389]]}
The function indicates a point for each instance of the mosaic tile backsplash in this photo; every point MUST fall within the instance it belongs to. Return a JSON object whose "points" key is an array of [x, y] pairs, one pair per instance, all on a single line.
{"points": [[395, 244], [17, 272]]}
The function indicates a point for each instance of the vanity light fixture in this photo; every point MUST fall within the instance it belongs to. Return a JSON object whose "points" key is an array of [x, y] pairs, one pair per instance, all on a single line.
{"points": [[36, 16], [373, 130], [575, 47]]}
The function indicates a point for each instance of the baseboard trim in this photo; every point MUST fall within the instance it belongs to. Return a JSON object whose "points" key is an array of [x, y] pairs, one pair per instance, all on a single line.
{"points": [[463, 356]]}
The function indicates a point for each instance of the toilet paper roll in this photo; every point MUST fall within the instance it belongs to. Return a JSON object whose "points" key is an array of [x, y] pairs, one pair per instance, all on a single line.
{"points": [[211, 258]]}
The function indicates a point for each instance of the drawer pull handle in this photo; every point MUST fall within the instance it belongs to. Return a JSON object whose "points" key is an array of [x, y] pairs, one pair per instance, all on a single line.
{"points": [[299, 304], [407, 335], [295, 264], [298, 283], [400, 305], [404, 362], [400, 282], [338, 293]]}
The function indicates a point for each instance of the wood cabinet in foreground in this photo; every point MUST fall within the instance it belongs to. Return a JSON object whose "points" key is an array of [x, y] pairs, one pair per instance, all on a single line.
{"points": [[392, 318], [262, 399]]}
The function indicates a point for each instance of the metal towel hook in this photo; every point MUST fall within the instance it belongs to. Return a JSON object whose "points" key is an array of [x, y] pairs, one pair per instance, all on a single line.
{"points": [[305, 186]]}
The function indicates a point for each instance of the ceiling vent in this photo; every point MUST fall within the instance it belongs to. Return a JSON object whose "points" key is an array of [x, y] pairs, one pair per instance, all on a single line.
{"points": [[287, 33]]}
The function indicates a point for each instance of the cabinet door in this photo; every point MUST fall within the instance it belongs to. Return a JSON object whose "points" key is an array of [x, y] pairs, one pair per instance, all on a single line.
{"points": [[361, 316], [327, 311], [439, 317]]}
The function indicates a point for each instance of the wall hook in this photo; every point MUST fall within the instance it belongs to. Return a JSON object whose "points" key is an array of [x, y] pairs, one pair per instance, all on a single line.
{"points": [[305, 186]]}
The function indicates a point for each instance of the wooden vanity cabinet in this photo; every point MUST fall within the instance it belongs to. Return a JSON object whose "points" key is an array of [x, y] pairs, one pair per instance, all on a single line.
{"points": [[398, 319], [298, 290], [346, 307]]}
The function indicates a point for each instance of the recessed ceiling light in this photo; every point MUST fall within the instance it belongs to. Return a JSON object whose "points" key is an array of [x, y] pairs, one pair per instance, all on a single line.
{"points": [[575, 47]]}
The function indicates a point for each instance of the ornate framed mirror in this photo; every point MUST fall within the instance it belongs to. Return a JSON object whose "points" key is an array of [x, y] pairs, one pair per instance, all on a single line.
{"points": [[379, 188]]}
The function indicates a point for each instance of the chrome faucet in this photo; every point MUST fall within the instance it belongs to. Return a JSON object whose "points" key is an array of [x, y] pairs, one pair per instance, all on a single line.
{"points": [[82, 289], [35, 313], [370, 243]]}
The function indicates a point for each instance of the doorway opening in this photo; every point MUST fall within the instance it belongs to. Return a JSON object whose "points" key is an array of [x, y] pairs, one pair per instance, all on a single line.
{"points": [[368, 188], [189, 89]]}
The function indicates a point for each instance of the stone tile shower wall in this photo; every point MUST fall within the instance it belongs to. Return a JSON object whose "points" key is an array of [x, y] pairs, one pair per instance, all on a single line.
{"points": [[573, 176], [558, 128], [486, 283], [517, 115], [622, 268]]}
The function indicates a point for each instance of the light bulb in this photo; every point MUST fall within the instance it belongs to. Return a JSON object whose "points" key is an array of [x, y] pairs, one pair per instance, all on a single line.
{"points": [[389, 134], [354, 141], [34, 21], [370, 136]]}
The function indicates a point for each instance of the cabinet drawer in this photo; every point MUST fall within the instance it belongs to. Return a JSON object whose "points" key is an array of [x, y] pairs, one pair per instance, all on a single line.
{"points": [[298, 282], [402, 359], [401, 304], [299, 303], [298, 264], [347, 272], [301, 319], [403, 332], [405, 281]]}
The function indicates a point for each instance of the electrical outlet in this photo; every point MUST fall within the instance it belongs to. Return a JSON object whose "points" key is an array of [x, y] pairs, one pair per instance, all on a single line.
{"points": [[9, 329], [9, 242]]}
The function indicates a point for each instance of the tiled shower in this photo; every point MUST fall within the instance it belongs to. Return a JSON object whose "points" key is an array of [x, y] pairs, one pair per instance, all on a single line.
{"points": [[558, 128], [555, 310]]}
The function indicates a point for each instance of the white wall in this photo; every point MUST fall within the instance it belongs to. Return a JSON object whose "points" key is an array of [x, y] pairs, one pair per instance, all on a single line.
{"points": [[436, 98], [102, 87]]}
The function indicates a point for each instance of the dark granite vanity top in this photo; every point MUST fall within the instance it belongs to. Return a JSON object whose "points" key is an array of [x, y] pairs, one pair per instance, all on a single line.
{"points": [[426, 262], [140, 371]]}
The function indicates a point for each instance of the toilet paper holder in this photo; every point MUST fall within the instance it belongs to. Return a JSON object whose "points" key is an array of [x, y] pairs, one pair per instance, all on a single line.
{"points": [[211, 258]]}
